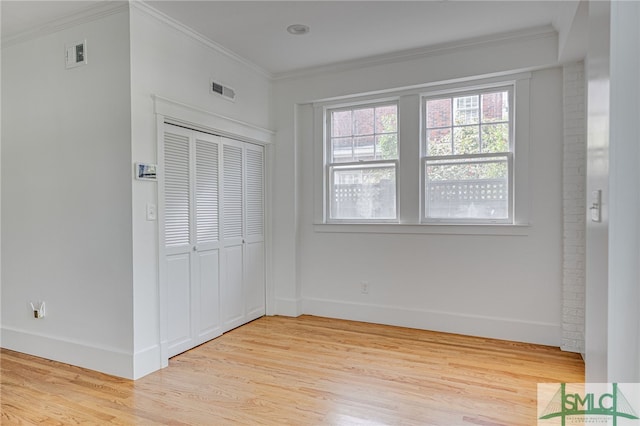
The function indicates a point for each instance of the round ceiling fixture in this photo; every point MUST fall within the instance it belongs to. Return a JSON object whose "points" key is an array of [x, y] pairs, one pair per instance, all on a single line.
{"points": [[297, 29]]}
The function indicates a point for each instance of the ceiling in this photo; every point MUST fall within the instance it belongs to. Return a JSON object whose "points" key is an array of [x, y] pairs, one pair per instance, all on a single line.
{"points": [[340, 30]]}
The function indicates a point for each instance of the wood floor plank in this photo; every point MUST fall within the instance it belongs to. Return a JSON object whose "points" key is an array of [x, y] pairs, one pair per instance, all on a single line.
{"points": [[300, 371]]}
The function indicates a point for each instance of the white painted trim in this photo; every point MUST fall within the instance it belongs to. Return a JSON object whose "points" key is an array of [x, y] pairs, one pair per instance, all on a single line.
{"points": [[148, 10], [269, 157], [91, 13], [163, 294], [146, 361], [423, 52], [104, 359], [407, 228], [449, 322], [288, 307], [199, 119]]}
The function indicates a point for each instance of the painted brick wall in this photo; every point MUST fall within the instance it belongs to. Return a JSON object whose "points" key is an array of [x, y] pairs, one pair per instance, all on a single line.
{"points": [[574, 208]]}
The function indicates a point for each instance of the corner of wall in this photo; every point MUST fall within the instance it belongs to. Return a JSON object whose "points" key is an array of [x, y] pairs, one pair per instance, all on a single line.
{"points": [[288, 307]]}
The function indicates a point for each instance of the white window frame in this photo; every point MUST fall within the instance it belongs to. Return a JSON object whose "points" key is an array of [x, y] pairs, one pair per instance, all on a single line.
{"points": [[509, 156], [312, 116], [355, 165]]}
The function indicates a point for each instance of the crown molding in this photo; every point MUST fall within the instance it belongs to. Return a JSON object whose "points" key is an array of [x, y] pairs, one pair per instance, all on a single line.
{"points": [[91, 13], [423, 52], [145, 8]]}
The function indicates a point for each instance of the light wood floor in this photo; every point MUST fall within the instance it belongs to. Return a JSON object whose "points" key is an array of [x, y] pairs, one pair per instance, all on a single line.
{"points": [[300, 371]]}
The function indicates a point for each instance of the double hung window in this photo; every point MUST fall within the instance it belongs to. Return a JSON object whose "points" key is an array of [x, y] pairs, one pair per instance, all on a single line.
{"points": [[362, 163], [445, 156], [468, 157]]}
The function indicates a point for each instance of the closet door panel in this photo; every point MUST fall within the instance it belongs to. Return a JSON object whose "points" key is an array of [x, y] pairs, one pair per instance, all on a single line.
{"points": [[178, 238], [232, 294], [207, 235], [254, 280], [209, 285], [254, 241], [179, 295]]}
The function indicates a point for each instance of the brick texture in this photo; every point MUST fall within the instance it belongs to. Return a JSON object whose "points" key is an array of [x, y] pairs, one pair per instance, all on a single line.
{"points": [[574, 208]]}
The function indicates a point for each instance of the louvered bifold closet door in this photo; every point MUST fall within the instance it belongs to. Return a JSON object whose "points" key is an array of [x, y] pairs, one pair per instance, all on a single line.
{"points": [[212, 222], [254, 238], [232, 288], [177, 237], [207, 224]]}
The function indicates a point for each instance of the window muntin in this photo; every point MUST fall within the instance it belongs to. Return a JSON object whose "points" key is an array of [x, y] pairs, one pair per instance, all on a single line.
{"points": [[468, 158], [362, 162]]}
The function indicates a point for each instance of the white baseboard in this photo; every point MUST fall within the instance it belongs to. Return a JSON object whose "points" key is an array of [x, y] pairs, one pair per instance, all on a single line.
{"points": [[288, 307], [448, 322], [147, 361], [105, 360]]}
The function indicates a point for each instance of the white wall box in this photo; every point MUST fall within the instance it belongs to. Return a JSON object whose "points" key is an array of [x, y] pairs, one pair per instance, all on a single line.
{"points": [[212, 235], [75, 54]]}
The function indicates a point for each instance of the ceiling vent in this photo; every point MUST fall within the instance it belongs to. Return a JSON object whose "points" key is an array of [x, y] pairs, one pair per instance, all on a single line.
{"points": [[219, 89]]}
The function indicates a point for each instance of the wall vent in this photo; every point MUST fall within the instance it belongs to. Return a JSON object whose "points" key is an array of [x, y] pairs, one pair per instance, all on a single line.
{"points": [[220, 89]]}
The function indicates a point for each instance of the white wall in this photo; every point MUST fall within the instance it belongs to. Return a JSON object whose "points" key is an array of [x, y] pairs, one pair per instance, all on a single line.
{"points": [[597, 233], [167, 62], [499, 286], [66, 197], [0, 191], [624, 184], [613, 246]]}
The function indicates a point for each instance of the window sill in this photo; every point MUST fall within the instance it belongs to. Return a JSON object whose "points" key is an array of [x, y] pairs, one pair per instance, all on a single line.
{"points": [[441, 229]]}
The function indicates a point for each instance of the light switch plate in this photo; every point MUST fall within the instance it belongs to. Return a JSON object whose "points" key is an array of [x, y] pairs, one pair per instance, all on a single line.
{"points": [[152, 212]]}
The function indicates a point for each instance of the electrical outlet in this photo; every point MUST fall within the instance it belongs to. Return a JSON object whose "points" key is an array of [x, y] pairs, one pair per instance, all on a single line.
{"points": [[364, 287], [38, 309]]}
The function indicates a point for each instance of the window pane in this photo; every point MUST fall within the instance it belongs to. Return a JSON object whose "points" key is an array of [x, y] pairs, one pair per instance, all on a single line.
{"points": [[495, 107], [495, 137], [363, 193], [364, 134], [439, 142], [341, 124], [387, 147], [466, 110], [467, 189], [363, 121], [387, 119], [363, 149], [341, 150], [439, 113], [466, 140]]}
